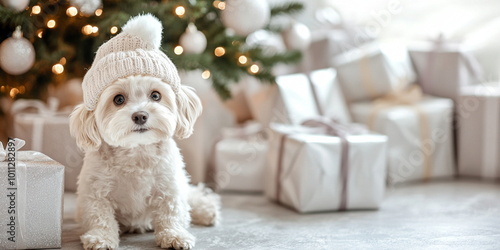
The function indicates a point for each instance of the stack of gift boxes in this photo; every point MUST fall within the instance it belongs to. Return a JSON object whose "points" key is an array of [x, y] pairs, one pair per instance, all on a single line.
{"points": [[425, 110]]}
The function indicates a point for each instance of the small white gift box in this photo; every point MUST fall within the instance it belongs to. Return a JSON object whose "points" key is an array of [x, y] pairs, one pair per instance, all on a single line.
{"points": [[313, 172], [419, 131], [32, 201], [198, 148], [297, 97], [442, 67], [46, 130], [373, 70], [479, 138], [241, 158]]}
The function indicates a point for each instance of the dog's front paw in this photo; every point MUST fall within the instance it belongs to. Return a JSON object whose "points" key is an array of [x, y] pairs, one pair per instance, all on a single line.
{"points": [[178, 238], [98, 239]]}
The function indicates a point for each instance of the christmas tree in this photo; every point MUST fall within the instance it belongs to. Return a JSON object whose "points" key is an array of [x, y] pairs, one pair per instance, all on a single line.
{"points": [[48, 42]]}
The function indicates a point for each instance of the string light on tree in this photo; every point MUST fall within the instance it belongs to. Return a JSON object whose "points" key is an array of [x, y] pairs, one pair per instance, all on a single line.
{"points": [[87, 29], [39, 33], [193, 41], [205, 74], [51, 24], [219, 5], [178, 50], [98, 12], [13, 92], [219, 51], [17, 54], [113, 30], [58, 69], [35, 10], [180, 11], [243, 59], [72, 11], [254, 69]]}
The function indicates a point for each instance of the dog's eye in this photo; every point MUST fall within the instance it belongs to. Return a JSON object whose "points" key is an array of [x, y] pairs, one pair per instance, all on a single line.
{"points": [[119, 100], [155, 95]]}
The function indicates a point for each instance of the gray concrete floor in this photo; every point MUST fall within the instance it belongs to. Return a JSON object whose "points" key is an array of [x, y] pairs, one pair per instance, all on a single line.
{"points": [[461, 214]]}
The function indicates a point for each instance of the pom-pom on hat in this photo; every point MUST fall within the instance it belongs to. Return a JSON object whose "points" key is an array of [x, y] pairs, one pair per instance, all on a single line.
{"points": [[135, 51]]}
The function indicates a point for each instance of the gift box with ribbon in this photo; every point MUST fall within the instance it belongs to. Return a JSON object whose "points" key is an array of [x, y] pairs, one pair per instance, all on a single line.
{"points": [[240, 158], [297, 97], [373, 70], [443, 67], [198, 148], [478, 115], [325, 166], [46, 130], [31, 203], [419, 129]]}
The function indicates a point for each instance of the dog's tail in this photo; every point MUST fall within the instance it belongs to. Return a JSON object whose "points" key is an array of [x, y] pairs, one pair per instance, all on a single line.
{"points": [[205, 206]]}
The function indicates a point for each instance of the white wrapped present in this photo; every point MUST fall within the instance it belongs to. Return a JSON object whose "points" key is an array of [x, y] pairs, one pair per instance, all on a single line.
{"points": [[420, 133], [479, 138], [198, 148], [311, 171], [46, 130], [241, 158], [373, 70], [483, 44], [443, 67], [32, 200], [296, 98]]}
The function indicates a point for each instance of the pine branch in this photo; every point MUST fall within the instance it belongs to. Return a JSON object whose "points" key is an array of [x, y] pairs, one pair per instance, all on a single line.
{"points": [[286, 9]]}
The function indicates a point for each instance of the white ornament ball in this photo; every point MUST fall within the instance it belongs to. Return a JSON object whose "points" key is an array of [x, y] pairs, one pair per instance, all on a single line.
{"points": [[87, 7], [193, 41], [18, 5], [270, 42], [246, 16], [297, 37], [17, 54]]}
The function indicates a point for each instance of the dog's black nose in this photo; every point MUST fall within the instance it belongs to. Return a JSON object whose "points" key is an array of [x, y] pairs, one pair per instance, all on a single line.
{"points": [[140, 117]]}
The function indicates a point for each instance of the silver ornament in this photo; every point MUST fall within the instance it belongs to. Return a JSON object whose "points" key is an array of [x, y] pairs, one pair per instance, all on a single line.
{"points": [[193, 41], [17, 54], [246, 16]]}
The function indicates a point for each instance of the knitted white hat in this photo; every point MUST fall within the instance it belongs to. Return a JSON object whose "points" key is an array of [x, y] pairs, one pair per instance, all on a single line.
{"points": [[135, 51]]}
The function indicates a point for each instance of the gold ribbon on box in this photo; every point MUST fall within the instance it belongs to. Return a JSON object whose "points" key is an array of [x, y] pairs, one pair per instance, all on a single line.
{"points": [[406, 97], [367, 76]]}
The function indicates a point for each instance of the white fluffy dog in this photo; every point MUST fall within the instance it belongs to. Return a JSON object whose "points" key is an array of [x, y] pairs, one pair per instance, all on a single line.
{"points": [[133, 177]]}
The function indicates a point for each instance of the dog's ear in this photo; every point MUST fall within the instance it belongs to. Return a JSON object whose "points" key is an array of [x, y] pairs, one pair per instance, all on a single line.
{"points": [[189, 108], [83, 128]]}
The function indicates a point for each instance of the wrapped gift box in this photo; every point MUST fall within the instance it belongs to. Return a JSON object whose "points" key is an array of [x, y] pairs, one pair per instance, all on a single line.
{"points": [[442, 68], [47, 131], [325, 44], [420, 136], [305, 170], [373, 70], [297, 97], [198, 148], [479, 137], [241, 158], [39, 202]]}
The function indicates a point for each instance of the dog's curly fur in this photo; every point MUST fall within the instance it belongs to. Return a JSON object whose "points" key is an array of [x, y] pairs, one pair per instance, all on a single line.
{"points": [[133, 177]]}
